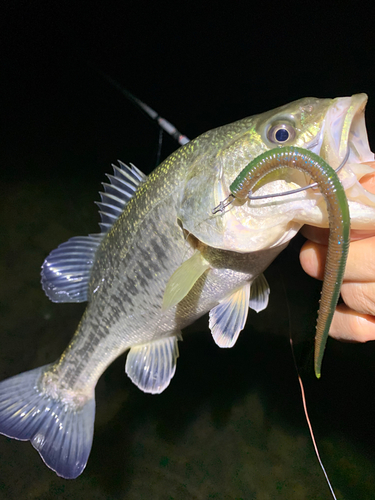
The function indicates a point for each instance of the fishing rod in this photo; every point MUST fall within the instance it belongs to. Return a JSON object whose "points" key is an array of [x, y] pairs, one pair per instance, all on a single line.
{"points": [[182, 139], [163, 124]]}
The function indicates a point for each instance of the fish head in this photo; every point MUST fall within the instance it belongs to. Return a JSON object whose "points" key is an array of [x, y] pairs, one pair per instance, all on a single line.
{"points": [[330, 128]]}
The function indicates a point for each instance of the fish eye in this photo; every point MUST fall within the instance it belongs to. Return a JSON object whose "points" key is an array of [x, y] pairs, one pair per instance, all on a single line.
{"points": [[281, 133]]}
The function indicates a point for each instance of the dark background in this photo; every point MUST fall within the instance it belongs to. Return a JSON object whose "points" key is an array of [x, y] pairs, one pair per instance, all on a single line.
{"points": [[231, 423]]}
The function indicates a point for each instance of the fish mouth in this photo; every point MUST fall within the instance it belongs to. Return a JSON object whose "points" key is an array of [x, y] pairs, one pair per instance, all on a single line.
{"points": [[344, 129]]}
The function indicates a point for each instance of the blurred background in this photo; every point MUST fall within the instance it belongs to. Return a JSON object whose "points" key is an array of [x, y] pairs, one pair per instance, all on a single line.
{"points": [[231, 424]]}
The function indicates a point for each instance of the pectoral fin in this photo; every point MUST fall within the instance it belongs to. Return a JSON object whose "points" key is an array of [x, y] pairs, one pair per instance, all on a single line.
{"points": [[183, 280], [151, 366], [259, 293], [229, 317]]}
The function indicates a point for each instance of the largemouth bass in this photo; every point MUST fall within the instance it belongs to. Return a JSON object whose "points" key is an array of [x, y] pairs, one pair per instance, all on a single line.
{"points": [[163, 259]]}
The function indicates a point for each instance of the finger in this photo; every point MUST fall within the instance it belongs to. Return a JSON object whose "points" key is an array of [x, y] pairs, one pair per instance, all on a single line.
{"points": [[313, 258], [321, 235], [368, 182], [316, 234], [351, 326], [360, 266], [360, 297]]}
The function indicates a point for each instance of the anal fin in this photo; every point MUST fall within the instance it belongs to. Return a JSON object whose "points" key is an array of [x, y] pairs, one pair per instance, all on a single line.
{"points": [[227, 319], [151, 366]]}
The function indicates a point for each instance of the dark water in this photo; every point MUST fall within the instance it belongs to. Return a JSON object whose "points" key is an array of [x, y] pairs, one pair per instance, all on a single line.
{"points": [[230, 426]]}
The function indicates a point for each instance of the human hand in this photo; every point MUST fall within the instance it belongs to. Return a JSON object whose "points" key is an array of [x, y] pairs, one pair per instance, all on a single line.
{"points": [[354, 320]]}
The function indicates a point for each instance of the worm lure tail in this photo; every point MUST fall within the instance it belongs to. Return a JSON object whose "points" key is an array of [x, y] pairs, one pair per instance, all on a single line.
{"points": [[339, 223]]}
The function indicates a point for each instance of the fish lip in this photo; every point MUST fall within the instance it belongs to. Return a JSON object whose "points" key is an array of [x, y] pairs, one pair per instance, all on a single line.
{"points": [[344, 127]]}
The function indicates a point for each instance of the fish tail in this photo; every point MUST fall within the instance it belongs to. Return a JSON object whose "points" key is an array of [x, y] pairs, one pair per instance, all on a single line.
{"points": [[61, 431]]}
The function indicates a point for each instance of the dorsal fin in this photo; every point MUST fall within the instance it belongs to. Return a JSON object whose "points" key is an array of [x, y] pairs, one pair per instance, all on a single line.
{"points": [[121, 187], [66, 270]]}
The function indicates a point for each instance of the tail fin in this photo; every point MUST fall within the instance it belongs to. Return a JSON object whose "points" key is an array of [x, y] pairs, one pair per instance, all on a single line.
{"points": [[61, 434]]}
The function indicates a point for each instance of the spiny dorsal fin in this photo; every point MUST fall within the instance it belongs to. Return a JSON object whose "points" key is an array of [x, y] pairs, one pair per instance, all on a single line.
{"points": [[121, 187], [66, 270]]}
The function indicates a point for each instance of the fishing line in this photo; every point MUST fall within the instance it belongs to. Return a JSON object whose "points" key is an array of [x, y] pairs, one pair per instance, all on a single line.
{"points": [[304, 404], [160, 144]]}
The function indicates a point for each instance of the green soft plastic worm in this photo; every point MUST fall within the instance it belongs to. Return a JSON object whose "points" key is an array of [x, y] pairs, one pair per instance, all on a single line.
{"points": [[339, 223]]}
